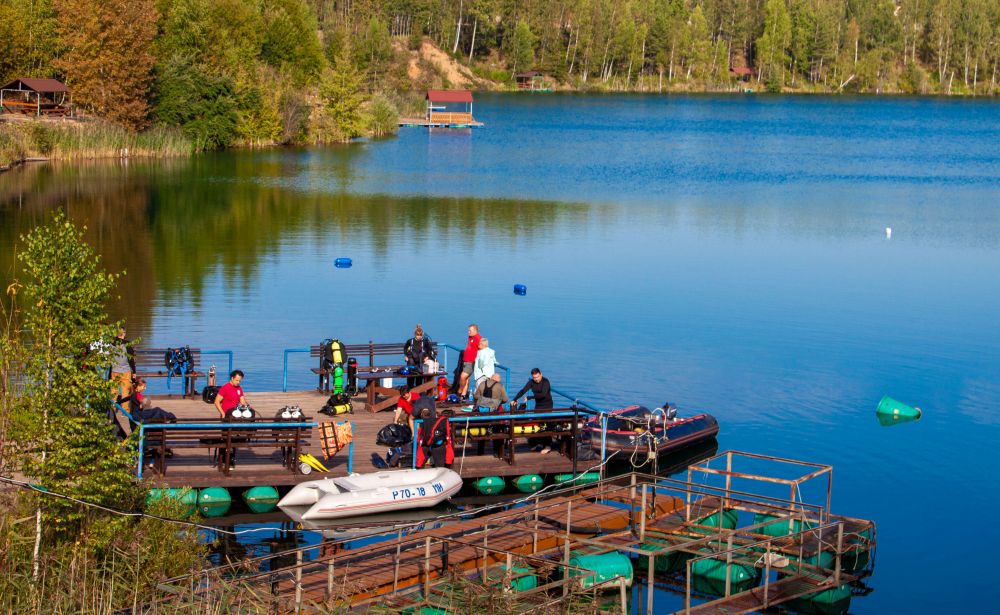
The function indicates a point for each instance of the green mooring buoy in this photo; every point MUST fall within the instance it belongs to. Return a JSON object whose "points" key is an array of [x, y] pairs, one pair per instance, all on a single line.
{"points": [[261, 499], [489, 485], [529, 483], [186, 496], [710, 576], [581, 479], [889, 407], [214, 501]]}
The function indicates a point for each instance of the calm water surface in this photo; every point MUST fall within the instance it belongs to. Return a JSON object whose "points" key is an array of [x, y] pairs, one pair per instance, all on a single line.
{"points": [[728, 254]]}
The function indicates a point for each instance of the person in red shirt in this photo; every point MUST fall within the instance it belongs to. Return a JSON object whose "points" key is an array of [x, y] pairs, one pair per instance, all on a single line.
{"points": [[230, 394], [405, 405], [469, 359]]}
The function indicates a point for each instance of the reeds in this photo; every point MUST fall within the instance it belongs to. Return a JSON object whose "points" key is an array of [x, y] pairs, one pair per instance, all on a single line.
{"points": [[79, 140]]}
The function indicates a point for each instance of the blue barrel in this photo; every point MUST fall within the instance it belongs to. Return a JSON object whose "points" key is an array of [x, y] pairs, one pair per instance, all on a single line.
{"points": [[342, 262], [520, 289]]}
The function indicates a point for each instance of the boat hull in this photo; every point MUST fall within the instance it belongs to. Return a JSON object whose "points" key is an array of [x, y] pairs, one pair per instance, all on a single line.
{"points": [[375, 493], [667, 438]]}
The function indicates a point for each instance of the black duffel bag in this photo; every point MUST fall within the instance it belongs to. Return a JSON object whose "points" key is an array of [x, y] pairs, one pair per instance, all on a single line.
{"points": [[209, 393], [394, 435]]}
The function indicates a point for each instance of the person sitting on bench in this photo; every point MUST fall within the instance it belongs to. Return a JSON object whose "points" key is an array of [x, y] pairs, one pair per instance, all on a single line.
{"points": [[231, 394], [490, 394], [142, 409]]}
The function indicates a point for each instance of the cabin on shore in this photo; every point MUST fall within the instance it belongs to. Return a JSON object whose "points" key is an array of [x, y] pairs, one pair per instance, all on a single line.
{"points": [[531, 81], [743, 73], [449, 107], [33, 96]]}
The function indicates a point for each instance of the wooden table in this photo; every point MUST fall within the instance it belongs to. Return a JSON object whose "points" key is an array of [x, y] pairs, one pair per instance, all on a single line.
{"points": [[372, 389]]}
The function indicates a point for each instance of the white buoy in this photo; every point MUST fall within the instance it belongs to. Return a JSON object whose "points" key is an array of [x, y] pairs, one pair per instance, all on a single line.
{"points": [[888, 232]]}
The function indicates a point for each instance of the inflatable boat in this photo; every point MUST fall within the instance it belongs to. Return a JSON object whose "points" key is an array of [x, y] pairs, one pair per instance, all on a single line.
{"points": [[373, 493], [636, 430]]}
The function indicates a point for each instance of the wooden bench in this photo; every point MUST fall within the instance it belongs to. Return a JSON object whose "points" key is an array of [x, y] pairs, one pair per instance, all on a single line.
{"points": [[290, 440], [371, 350], [564, 428], [151, 363]]}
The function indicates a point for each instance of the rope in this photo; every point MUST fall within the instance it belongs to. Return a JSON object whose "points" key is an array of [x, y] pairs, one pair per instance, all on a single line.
{"points": [[192, 524]]}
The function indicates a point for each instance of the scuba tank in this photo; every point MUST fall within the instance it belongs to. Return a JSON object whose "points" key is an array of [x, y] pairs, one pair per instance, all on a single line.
{"points": [[442, 388], [352, 375], [211, 376], [338, 379]]}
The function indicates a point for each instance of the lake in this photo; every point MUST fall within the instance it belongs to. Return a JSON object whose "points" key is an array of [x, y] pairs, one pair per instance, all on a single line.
{"points": [[728, 254]]}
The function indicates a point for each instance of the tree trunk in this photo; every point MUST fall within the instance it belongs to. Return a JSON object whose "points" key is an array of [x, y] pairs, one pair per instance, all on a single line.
{"points": [[661, 80], [458, 28], [472, 46], [975, 77], [670, 75], [576, 46]]}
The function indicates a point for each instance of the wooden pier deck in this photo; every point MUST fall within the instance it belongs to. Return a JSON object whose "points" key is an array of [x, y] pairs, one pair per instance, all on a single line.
{"points": [[195, 468], [425, 123]]}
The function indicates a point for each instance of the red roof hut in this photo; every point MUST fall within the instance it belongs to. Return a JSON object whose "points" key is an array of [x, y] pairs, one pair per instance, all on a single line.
{"points": [[449, 107], [38, 96]]}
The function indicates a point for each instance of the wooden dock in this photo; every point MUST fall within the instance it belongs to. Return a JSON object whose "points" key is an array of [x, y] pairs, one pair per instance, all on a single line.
{"points": [[195, 467], [419, 122]]}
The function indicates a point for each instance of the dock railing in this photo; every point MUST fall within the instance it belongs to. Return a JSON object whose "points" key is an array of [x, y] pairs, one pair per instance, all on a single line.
{"points": [[657, 523]]}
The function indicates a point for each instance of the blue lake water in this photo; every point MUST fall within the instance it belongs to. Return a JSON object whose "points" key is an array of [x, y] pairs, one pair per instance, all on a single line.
{"points": [[728, 254]]}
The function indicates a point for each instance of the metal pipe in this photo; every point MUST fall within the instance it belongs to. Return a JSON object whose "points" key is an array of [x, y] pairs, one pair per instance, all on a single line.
{"points": [[298, 581], [649, 586]]}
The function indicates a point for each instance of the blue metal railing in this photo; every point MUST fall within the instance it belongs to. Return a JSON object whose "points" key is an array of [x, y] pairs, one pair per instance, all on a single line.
{"points": [[284, 367], [228, 353]]}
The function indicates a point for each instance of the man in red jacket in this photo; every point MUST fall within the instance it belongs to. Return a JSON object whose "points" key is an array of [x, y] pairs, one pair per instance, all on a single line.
{"points": [[469, 359]]}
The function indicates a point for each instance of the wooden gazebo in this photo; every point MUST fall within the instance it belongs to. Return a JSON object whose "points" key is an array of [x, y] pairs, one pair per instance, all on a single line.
{"points": [[449, 107], [531, 81], [35, 96]]}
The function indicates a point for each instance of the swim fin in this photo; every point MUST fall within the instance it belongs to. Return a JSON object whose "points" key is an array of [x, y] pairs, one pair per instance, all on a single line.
{"points": [[312, 462], [378, 462]]}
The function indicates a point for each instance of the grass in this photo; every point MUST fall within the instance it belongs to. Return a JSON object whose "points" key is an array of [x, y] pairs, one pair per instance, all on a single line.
{"points": [[69, 140]]}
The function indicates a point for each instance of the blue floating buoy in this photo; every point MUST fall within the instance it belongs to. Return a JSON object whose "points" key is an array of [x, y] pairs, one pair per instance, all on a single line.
{"points": [[342, 263], [520, 289]]}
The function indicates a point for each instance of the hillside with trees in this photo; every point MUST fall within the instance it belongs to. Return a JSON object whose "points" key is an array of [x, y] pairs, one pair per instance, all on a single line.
{"points": [[263, 72]]}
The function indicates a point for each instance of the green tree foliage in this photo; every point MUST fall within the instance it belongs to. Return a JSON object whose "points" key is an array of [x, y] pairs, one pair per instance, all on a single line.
{"points": [[290, 38], [343, 102], [28, 40], [773, 44], [204, 106], [522, 47], [61, 423]]}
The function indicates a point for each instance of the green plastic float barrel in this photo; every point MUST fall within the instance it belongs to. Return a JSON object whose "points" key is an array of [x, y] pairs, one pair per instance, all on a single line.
{"points": [[607, 566], [858, 552], [665, 563], [529, 483], [779, 528], [186, 496], [581, 479], [261, 499], [726, 522], [710, 577], [214, 501], [489, 485], [890, 411], [522, 578], [833, 601]]}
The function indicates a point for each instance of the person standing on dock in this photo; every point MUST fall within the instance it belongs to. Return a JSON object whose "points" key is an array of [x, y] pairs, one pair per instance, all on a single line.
{"points": [[417, 349], [540, 388], [469, 359], [486, 363], [231, 394], [122, 368]]}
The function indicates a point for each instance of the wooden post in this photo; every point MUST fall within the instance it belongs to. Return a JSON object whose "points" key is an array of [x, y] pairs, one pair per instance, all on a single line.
{"points": [[329, 578], [687, 586], [298, 581], [395, 570], [427, 568], [509, 573], [642, 518], [649, 586], [767, 572], [486, 528], [840, 547], [729, 562], [569, 518], [534, 540], [729, 476], [623, 597]]}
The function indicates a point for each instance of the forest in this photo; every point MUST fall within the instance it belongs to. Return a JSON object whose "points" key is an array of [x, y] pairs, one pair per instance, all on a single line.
{"points": [[264, 72]]}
